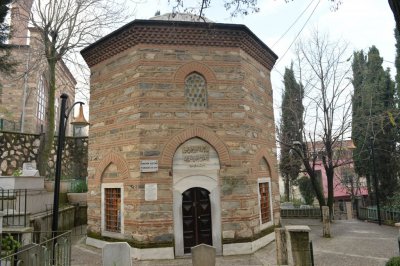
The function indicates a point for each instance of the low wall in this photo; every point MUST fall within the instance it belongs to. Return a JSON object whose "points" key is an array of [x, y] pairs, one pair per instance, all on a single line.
{"points": [[68, 218], [17, 148]]}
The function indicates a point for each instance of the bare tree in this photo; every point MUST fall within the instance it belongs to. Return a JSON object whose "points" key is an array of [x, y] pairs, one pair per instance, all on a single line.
{"points": [[323, 68], [349, 182], [235, 7], [64, 27]]}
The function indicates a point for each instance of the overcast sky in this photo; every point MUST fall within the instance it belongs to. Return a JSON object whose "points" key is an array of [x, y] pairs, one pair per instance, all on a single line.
{"points": [[360, 23]]}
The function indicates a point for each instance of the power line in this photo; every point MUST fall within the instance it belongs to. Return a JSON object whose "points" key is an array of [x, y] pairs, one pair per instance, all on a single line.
{"points": [[298, 34], [291, 26]]}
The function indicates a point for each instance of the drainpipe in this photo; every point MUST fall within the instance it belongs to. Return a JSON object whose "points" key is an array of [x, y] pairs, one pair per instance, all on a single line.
{"points": [[25, 89]]}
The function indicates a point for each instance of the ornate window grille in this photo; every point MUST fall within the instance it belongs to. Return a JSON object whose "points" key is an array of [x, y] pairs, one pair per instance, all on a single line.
{"points": [[196, 91]]}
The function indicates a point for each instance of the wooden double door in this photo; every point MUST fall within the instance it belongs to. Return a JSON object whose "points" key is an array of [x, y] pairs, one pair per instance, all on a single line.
{"points": [[196, 215]]}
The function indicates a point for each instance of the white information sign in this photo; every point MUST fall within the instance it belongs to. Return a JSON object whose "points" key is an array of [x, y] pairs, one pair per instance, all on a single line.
{"points": [[150, 192], [148, 166]]}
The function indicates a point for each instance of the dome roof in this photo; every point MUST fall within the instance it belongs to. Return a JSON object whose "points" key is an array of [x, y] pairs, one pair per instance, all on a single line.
{"points": [[181, 17]]}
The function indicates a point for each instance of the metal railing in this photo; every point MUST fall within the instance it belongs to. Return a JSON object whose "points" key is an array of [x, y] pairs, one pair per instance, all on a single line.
{"points": [[41, 254], [13, 204], [370, 213], [301, 213]]}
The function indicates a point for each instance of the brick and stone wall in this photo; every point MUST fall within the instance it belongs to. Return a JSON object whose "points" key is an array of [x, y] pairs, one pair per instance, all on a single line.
{"points": [[139, 112], [17, 148], [29, 60]]}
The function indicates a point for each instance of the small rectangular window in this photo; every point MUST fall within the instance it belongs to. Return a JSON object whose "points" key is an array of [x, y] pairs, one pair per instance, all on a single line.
{"points": [[113, 209], [265, 204]]}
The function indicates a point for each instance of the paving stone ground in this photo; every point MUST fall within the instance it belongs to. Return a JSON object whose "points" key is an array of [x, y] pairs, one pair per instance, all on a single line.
{"points": [[353, 243]]}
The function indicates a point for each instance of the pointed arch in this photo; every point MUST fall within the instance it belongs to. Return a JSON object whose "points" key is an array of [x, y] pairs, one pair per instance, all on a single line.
{"points": [[191, 67], [264, 154], [200, 132], [116, 159]]}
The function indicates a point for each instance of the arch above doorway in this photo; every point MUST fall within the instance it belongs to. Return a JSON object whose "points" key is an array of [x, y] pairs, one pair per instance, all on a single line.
{"points": [[200, 132], [195, 164]]}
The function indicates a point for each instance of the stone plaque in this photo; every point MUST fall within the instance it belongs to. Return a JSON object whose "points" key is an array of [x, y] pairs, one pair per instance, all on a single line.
{"points": [[118, 253], [195, 154], [150, 192], [29, 169], [29, 166], [203, 255], [147, 166]]}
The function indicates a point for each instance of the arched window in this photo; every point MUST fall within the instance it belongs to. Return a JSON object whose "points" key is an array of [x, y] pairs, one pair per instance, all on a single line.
{"points": [[196, 91], [56, 115], [41, 102]]}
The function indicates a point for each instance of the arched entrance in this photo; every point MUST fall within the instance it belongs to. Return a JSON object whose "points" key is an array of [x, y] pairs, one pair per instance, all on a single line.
{"points": [[197, 206], [196, 215]]}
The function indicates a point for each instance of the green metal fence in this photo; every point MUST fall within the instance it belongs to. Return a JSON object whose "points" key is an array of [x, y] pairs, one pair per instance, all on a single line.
{"points": [[371, 214], [53, 251], [313, 213]]}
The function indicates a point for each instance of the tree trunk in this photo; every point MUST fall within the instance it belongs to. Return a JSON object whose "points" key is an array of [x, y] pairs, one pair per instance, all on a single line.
{"points": [[315, 184], [370, 192], [329, 177], [44, 155], [287, 189]]}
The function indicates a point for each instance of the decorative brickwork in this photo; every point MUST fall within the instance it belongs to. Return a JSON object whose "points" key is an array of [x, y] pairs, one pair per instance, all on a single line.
{"points": [[206, 135], [182, 73], [183, 33], [116, 159], [271, 161]]}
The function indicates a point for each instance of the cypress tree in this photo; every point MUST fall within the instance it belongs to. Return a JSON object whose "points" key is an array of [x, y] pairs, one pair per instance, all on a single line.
{"points": [[6, 65], [360, 137], [373, 106], [290, 128]]}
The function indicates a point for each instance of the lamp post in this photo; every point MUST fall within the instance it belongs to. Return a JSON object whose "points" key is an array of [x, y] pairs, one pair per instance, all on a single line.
{"points": [[80, 120], [375, 180]]}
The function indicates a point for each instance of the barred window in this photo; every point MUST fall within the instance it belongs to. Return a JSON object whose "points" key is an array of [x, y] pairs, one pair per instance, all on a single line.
{"points": [[196, 91], [265, 203], [113, 209]]}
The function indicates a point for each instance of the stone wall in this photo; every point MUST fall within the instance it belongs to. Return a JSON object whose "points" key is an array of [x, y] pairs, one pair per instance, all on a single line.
{"points": [[141, 112], [138, 107], [17, 148], [13, 86]]}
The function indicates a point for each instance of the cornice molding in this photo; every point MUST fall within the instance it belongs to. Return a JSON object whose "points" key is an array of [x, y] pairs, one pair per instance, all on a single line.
{"points": [[155, 32]]}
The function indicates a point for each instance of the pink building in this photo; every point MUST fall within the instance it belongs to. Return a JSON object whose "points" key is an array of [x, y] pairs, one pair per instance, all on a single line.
{"points": [[347, 184]]}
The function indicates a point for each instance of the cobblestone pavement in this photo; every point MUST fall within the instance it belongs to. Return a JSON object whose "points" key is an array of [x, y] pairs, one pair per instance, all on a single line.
{"points": [[353, 243]]}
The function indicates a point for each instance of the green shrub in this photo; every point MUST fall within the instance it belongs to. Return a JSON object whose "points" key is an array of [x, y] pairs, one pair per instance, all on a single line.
{"points": [[393, 202], [306, 189], [79, 186], [9, 245], [395, 261], [17, 172]]}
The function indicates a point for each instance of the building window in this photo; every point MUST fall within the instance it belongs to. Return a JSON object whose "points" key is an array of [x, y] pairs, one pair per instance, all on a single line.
{"points": [[112, 207], [41, 101], [196, 91], [56, 115], [265, 201]]}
